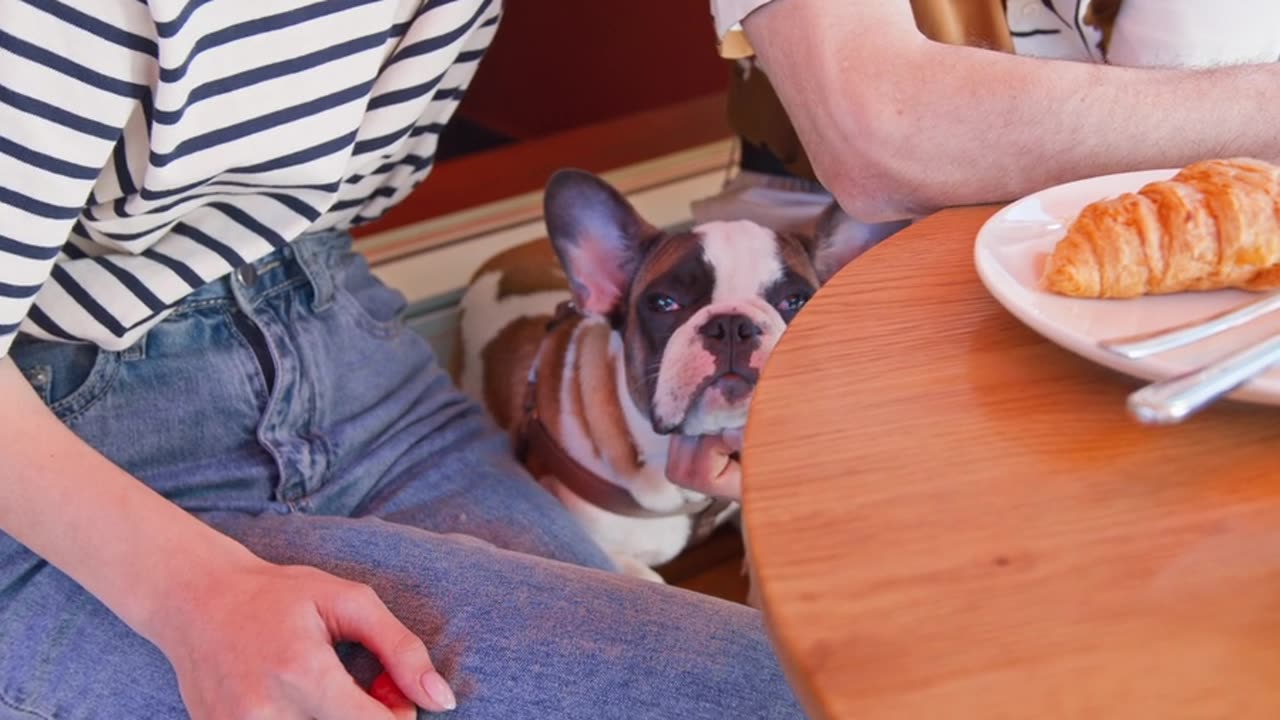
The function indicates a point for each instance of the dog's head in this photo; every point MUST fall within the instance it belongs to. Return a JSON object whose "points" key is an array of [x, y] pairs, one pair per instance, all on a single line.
{"points": [[698, 311]]}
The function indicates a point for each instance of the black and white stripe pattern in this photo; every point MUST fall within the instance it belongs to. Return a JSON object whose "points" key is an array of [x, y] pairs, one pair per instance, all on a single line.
{"points": [[1150, 33], [147, 148]]}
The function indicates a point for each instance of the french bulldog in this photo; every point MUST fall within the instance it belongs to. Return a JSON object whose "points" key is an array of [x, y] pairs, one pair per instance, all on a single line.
{"points": [[613, 343]]}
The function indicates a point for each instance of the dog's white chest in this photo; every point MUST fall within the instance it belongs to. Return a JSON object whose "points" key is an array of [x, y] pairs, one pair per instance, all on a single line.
{"points": [[652, 541]]}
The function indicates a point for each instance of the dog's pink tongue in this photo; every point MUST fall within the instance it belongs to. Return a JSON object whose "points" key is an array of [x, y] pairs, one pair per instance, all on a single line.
{"points": [[706, 463]]}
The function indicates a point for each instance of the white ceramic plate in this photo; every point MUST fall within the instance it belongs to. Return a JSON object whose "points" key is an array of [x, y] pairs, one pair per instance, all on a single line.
{"points": [[1010, 252]]}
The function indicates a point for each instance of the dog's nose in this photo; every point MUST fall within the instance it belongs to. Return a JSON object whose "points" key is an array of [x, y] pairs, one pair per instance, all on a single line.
{"points": [[730, 328]]}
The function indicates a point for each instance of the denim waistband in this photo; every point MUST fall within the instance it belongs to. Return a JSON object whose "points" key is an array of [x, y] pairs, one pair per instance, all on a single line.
{"points": [[310, 259]]}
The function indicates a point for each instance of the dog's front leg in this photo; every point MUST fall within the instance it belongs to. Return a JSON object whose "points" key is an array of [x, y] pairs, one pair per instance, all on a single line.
{"points": [[628, 565]]}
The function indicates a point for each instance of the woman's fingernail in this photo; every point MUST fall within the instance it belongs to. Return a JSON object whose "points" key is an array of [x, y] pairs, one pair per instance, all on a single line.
{"points": [[439, 690]]}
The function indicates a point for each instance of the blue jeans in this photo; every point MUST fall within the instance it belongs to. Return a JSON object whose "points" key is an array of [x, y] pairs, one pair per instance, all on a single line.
{"points": [[288, 406]]}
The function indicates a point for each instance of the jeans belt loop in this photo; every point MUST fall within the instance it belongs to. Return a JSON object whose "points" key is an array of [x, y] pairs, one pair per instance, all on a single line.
{"points": [[315, 254]]}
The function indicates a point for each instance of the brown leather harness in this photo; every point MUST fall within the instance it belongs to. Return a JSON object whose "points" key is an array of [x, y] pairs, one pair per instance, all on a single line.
{"points": [[534, 440]]}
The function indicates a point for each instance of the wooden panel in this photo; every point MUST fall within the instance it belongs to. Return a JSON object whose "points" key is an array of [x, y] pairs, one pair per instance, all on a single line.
{"points": [[559, 64], [524, 167]]}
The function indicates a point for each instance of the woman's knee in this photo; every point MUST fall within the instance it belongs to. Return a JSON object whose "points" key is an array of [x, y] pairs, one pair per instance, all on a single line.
{"points": [[523, 636]]}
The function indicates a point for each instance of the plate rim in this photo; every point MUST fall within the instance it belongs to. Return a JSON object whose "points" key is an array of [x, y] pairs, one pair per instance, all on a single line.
{"points": [[1148, 369]]}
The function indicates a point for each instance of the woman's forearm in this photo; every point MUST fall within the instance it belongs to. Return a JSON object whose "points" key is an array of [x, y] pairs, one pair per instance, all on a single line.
{"points": [[245, 637], [119, 539]]}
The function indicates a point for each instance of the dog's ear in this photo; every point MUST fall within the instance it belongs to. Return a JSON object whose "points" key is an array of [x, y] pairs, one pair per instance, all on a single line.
{"points": [[838, 238], [598, 237]]}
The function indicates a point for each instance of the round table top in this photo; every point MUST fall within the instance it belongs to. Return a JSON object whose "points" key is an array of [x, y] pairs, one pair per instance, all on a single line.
{"points": [[950, 517]]}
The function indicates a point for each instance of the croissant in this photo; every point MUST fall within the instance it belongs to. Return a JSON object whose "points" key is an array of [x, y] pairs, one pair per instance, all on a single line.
{"points": [[1214, 225]]}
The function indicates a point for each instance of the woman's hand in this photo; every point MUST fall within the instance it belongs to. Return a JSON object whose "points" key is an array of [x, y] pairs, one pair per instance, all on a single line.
{"points": [[707, 463], [257, 641], [248, 639]]}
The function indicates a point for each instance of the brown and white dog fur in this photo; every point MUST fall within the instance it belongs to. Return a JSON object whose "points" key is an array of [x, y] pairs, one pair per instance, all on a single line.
{"points": [[670, 338]]}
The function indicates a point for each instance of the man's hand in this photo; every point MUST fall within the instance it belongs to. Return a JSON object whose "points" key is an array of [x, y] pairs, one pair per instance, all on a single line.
{"points": [[260, 643], [707, 463]]}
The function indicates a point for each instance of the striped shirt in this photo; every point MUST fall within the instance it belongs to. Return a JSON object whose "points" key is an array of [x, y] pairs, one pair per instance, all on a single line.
{"points": [[148, 148], [1147, 33], [1150, 33]]}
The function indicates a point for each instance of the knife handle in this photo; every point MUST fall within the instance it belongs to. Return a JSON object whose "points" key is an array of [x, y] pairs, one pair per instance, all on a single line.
{"points": [[1171, 401]]}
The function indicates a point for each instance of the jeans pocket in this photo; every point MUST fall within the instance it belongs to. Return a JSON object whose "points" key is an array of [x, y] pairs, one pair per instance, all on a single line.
{"points": [[69, 378], [370, 304]]}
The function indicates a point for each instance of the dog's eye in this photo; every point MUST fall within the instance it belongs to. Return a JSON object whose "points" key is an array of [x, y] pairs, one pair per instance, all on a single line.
{"points": [[793, 303], [663, 304]]}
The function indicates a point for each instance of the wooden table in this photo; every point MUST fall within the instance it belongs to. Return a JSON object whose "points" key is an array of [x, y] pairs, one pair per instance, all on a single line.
{"points": [[950, 517]]}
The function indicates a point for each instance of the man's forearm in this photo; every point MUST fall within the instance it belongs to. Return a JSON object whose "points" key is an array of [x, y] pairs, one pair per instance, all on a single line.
{"points": [[899, 126], [123, 542]]}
